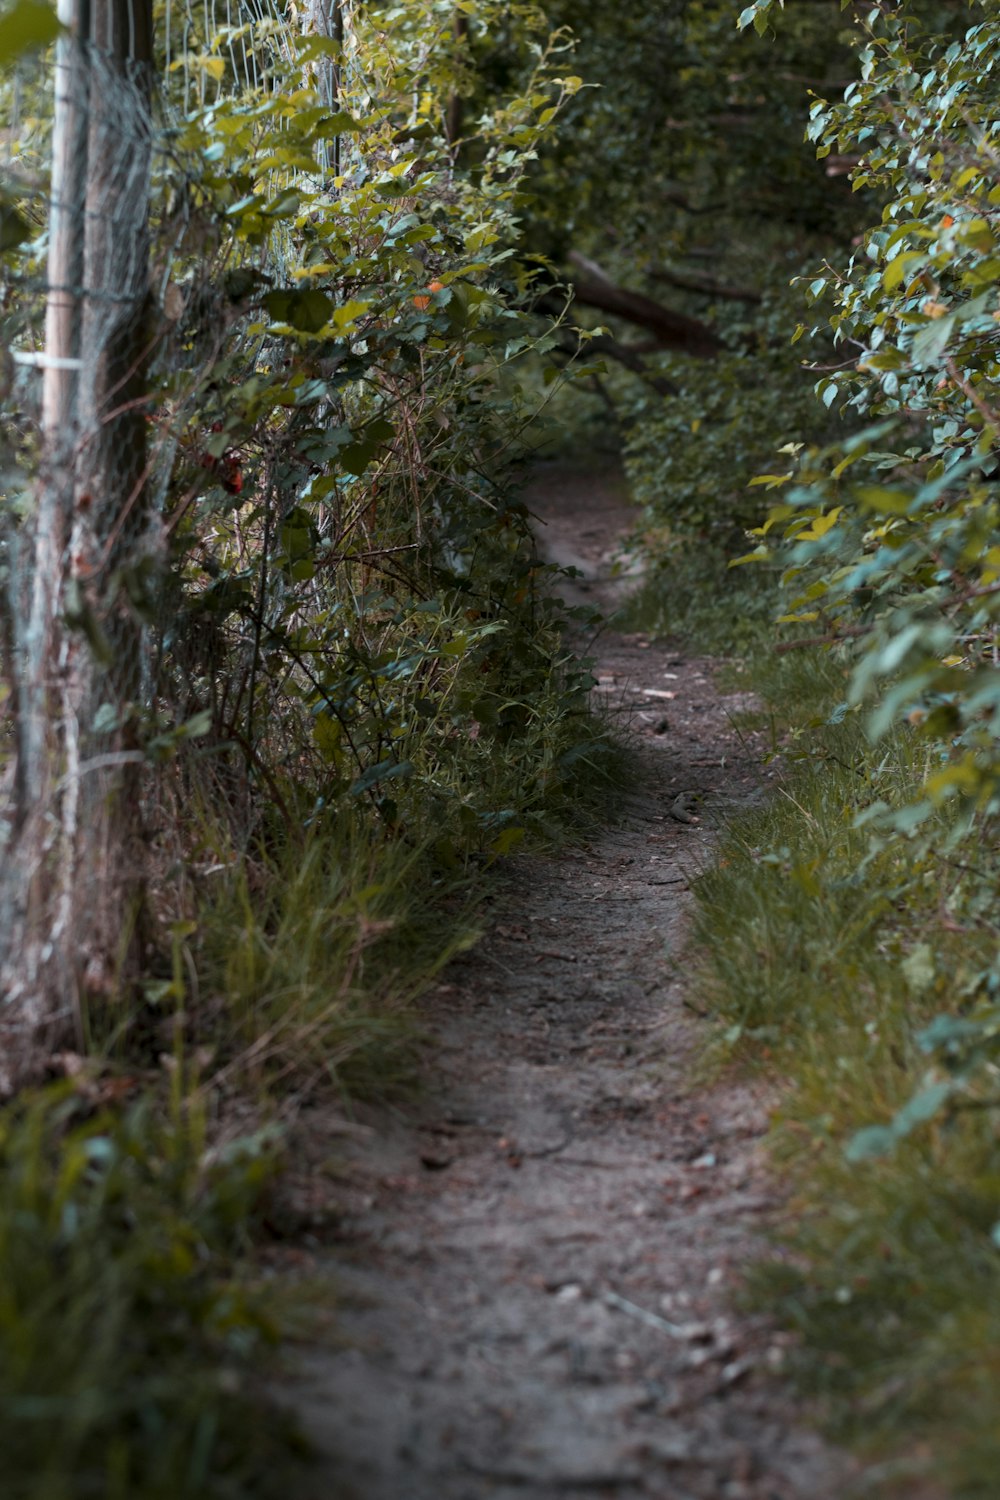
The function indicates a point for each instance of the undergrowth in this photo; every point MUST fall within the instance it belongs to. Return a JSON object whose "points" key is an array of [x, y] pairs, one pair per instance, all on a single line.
{"points": [[130, 1340], [321, 641], [135, 1331], [854, 963]]}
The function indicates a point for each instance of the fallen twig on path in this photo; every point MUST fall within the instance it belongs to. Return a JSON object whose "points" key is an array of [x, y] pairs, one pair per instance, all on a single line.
{"points": [[652, 1320]]}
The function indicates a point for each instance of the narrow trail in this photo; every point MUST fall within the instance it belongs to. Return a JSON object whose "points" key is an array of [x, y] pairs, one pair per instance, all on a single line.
{"points": [[535, 1265]]}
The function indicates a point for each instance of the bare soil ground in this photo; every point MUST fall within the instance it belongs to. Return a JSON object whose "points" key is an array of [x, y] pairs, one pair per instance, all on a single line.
{"points": [[535, 1264]]}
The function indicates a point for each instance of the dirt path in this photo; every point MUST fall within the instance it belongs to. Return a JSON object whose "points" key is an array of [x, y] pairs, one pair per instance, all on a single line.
{"points": [[536, 1265]]}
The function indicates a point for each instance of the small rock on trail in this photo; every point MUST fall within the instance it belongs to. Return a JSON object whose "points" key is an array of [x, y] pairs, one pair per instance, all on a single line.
{"points": [[534, 1265]]}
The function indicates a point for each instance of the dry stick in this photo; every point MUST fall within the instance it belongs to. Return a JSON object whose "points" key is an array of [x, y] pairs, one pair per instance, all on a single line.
{"points": [[974, 593], [184, 504], [342, 557], [652, 1320], [262, 768]]}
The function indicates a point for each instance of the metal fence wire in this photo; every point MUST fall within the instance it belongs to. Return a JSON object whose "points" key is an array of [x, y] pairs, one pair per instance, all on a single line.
{"points": [[84, 462], [81, 329]]}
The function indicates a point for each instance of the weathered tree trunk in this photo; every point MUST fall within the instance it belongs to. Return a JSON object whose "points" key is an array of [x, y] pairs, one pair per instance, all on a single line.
{"points": [[111, 523], [71, 862], [60, 384], [456, 104], [326, 18]]}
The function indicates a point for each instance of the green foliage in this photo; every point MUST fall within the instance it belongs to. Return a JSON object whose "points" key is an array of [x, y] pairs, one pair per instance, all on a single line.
{"points": [[308, 957], [349, 632], [683, 175], [129, 1346], [680, 594], [347, 597], [686, 137], [348, 621], [849, 933], [26, 25], [355, 667], [888, 538], [356, 557], [756, 15], [892, 535]]}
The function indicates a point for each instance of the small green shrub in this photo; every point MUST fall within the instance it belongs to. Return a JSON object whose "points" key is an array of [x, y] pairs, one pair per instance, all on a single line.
{"points": [[889, 537], [691, 457]]}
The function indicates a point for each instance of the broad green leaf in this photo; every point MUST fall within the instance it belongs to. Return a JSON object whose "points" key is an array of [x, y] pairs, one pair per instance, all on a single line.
{"points": [[932, 341], [14, 227], [900, 269], [25, 26], [871, 1142], [923, 1107], [507, 840], [820, 525], [772, 481], [385, 770], [308, 310]]}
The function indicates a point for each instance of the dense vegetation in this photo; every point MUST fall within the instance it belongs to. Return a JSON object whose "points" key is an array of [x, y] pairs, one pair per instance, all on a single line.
{"points": [[279, 599], [284, 674], [890, 877], [862, 961]]}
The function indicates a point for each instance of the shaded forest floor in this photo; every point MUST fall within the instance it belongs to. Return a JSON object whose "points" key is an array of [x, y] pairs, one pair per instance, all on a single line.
{"points": [[536, 1265]]}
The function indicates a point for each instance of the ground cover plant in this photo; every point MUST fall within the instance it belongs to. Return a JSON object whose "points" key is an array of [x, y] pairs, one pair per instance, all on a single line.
{"points": [[131, 1336], [858, 969]]}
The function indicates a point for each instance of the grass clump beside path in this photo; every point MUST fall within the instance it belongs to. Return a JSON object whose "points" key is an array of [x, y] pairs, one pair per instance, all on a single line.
{"points": [[861, 967]]}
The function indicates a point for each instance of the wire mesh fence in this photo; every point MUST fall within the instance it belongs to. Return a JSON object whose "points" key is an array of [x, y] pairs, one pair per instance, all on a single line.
{"points": [[110, 298]]}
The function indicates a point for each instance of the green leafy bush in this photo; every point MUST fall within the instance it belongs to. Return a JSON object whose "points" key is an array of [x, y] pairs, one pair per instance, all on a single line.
{"points": [[692, 457], [889, 538], [353, 554], [683, 175], [892, 535]]}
